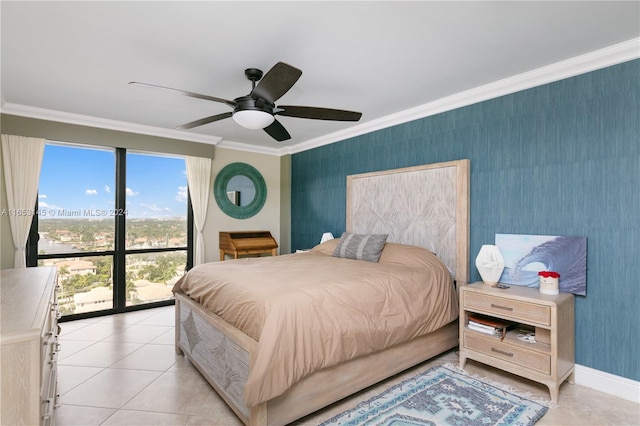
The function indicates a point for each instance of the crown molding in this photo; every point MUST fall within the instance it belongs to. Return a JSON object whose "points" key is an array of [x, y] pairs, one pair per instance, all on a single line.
{"points": [[241, 146], [612, 55], [101, 123]]}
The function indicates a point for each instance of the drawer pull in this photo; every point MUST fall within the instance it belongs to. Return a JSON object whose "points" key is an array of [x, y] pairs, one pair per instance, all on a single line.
{"points": [[506, 308], [48, 414], [501, 352]]}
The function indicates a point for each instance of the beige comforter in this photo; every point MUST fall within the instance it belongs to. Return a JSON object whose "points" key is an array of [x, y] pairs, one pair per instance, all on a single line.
{"points": [[311, 310]]}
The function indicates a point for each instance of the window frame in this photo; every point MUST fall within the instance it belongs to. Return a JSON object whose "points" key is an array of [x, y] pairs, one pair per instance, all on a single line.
{"points": [[119, 252]]}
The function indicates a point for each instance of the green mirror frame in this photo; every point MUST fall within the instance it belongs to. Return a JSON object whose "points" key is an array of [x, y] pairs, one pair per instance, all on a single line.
{"points": [[220, 190]]}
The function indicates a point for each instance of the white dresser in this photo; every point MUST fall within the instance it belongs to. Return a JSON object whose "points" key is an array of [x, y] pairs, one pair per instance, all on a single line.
{"points": [[29, 339]]}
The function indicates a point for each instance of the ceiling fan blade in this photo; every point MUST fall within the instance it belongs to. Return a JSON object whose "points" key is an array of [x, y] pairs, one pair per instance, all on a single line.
{"points": [[318, 113], [277, 131], [276, 82], [232, 104], [205, 120]]}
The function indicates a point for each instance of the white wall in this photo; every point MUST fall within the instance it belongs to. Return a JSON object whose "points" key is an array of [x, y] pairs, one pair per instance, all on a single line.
{"points": [[267, 219]]}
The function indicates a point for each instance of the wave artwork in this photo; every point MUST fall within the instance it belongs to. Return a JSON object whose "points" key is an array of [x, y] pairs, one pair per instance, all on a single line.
{"points": [[526, 255]]}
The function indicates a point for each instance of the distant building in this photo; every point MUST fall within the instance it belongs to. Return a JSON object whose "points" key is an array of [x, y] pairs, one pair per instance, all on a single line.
{"points": [[67, 236], [93, 300], [177, 242], [147, 291], [77, 266]]}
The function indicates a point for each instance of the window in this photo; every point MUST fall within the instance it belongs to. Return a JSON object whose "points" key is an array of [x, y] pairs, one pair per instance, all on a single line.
{"points": [[155, 226], [115, 225]]}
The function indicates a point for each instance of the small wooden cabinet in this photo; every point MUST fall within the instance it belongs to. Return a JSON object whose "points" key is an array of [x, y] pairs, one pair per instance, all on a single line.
{"points": [[29, 339], [550, 360]]}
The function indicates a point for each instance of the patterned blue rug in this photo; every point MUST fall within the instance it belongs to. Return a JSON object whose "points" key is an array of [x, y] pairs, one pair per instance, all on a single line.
{"points": [[443, 396]]}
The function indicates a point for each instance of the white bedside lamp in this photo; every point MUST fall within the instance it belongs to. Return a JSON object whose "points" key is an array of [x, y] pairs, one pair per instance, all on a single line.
{"points": [[490, 264], [326, 237]]}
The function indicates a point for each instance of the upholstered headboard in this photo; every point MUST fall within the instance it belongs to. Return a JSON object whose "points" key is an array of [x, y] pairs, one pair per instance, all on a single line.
{"points": [[425, 206]]}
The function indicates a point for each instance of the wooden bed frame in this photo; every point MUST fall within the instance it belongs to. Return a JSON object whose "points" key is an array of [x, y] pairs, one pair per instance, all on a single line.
{"points": [[393, 201]]}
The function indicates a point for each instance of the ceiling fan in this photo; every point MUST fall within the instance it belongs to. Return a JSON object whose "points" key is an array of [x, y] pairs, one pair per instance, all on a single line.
{"points": [[257, 110]]}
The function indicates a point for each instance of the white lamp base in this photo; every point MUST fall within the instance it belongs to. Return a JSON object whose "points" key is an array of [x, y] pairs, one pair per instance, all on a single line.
{"points": [[490, 264]]}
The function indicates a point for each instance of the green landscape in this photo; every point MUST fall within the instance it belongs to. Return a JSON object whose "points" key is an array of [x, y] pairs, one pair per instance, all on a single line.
{"points": [[87, 281]]}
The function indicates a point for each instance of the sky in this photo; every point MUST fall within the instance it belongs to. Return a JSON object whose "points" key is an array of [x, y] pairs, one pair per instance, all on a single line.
{"points": [[79, 179]]}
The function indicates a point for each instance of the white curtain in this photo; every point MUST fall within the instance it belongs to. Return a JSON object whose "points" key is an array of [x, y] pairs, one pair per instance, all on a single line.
{"points": [[21, 159], [199, 179]]}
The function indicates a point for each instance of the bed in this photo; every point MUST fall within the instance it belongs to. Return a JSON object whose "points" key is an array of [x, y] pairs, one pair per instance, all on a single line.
{"points": [[275, 359]]}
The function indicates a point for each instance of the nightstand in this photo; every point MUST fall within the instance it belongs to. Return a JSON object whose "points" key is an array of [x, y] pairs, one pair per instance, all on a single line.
{"points": [[550, 360]]}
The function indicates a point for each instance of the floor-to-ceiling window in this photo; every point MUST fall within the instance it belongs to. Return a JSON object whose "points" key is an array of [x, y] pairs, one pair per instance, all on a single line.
{"points": [[155, 226], [114, 224]]}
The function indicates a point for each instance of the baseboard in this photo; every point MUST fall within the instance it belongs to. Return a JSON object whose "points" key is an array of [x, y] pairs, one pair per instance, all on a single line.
{"points": [[608, 383]]}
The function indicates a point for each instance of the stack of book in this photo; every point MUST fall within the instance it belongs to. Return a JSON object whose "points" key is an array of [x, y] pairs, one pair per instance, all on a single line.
{"points": [[489, 325]]}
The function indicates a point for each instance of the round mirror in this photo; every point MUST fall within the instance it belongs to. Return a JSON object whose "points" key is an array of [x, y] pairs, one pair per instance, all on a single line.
{"points": [[239, 190]]}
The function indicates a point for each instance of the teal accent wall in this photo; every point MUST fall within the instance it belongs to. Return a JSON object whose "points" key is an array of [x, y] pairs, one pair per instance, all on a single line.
{"points": [[558, 159]]}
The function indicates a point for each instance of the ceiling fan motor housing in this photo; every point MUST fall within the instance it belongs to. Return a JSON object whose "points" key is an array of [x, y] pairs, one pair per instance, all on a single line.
{"points": [[245, 103]]}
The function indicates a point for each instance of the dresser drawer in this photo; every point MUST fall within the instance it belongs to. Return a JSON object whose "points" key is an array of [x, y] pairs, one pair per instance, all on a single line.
{"points": [[508, 308], [49, 362], [49, 400], [506, 352]]}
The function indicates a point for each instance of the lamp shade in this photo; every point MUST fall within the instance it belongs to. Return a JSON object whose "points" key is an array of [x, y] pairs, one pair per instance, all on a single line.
{"points": [[490, 264], [326, 237], [253, 118]]}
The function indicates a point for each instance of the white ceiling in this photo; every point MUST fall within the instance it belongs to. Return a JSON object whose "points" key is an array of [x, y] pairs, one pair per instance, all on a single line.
{"points": [[71, 61]]}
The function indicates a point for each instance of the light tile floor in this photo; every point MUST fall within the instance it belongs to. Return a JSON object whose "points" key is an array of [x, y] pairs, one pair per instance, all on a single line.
{"points": [[123, 370]]}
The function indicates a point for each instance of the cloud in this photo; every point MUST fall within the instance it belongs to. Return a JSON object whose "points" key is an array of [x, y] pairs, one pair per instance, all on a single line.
{"points": [[42, 196], [181, 195], [44, 206], [155, 208], [131, 192], [90, 192], [107, 189]]}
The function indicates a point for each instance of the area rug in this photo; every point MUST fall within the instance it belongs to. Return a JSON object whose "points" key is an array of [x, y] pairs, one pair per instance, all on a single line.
{"points": [[443, 395]]}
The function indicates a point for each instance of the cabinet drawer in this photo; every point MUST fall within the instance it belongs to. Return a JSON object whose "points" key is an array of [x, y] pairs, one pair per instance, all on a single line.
{"points": [[49, 362], [504, 351], [507, 308], [47, 342], [48, 401]]}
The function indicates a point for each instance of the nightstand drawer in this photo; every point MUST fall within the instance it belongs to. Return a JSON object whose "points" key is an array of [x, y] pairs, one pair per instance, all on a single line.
{"points": [[504, 351], [508, 308]]}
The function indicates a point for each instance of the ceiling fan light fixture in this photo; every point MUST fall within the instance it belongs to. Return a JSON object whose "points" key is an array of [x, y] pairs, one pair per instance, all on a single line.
{"points": [[253, 119]]}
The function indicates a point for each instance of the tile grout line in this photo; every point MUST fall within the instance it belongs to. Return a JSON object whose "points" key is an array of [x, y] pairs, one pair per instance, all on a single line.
{"points": [[121, 408]]}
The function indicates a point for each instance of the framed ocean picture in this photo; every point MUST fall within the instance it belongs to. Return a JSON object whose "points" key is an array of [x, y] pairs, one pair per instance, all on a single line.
{"points": [[526, 255]]}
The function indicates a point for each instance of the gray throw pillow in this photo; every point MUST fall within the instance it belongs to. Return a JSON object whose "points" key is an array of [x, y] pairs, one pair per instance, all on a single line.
{"points": [[361, 246]]}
